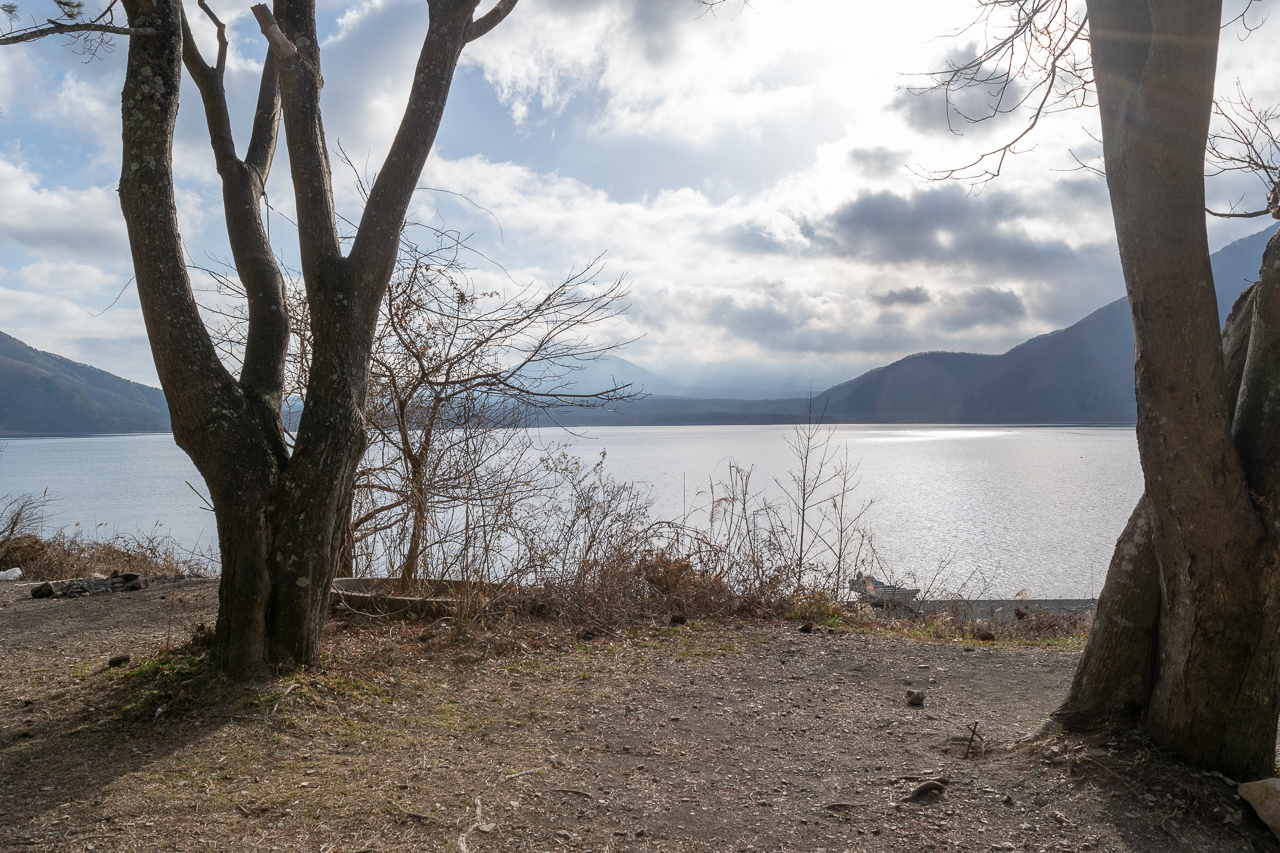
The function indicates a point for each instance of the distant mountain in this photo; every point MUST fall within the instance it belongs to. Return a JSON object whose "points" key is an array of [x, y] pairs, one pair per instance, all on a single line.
{"points": [[1082, 374], [611, 371], [46, 394]]}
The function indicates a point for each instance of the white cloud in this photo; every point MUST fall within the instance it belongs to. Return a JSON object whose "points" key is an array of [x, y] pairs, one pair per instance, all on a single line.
{"points": [[70, 280], [114, 340], [83, 223]]}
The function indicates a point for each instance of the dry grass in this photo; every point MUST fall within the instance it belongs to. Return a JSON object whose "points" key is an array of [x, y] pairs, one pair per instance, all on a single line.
{"points": [[71, 556]]}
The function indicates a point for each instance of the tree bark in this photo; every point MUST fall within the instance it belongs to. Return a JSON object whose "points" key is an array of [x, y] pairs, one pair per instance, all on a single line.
{"points": [[1115, 675], [283, 517], [1213, 685]]}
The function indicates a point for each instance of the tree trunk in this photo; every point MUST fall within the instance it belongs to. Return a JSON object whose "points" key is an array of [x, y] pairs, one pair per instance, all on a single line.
{"points": [[1211, 670], [283, 518], [1113, 681]]}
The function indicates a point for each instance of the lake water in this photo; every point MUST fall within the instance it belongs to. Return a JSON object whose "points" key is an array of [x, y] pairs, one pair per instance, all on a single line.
{"points": [[1030, 508]]}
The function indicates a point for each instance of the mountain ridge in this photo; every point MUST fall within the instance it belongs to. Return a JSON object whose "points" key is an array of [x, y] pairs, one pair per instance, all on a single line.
{"points": [[46, 394]]}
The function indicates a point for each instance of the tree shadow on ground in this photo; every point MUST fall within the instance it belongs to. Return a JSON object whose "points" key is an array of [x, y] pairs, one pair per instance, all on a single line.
{"points": [[61, 749]]}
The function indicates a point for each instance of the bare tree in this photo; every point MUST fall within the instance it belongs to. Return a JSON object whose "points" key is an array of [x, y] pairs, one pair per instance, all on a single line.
{"points": [[282, 511], [457, 377], [1187, 635]]}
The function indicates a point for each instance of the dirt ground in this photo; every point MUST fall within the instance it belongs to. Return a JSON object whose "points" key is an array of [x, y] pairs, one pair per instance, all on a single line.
{"points": [[727, 736]]}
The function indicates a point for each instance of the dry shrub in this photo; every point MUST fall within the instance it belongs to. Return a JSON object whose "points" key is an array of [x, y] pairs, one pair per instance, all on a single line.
{"points": [[678, 586], [816, 605], [63, 556], [1039, 623]]}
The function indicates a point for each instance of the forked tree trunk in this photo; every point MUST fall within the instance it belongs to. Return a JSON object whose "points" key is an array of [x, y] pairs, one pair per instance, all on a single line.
{"points": [[1208, 683], [282, 516]]}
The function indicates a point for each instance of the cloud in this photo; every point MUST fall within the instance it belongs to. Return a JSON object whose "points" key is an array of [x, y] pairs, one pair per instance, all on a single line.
{"points": [[652, 68], [115, 341], [902, 296], [878, 162], [966, 111], [80, 223], [980, 306], [997, 235], [70, 280]]}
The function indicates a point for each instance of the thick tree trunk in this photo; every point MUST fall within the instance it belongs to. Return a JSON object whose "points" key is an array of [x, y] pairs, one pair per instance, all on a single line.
{"points": [[1213, 680], [283, 518], [1113, 680], [1115, 675]]}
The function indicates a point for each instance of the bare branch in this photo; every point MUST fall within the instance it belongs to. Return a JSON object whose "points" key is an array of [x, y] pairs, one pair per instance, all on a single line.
{"points": [[280, 44], [221, 65], [482, 25], [1247, 141], [1251, 215], [1042, 49], [54, 28]]}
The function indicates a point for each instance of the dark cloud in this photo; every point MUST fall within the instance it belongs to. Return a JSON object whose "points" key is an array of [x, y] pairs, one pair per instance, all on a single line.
{"points": [[655, 21], [943, 226], [878, 162], [984, 239], [965, 111], [902, 296], [980, 306], [778, 317]]}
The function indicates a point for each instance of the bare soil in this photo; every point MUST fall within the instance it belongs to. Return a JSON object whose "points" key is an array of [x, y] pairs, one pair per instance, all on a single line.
{"points": [[733, 736]]}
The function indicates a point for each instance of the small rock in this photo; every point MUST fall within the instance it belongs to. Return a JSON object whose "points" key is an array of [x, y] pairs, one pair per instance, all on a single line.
{"points": [[11, 574], [564, 834], [678, 619], [640, 833], [1264, 796], [806, 628], [915, 697], [45, 590], [929, 786], [118, 660], [487, 827]]}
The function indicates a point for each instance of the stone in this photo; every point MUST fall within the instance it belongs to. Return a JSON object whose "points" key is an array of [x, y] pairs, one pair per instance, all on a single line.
{"points": [[11, 574], [915, 697], [45, 590], [1264, 796]]}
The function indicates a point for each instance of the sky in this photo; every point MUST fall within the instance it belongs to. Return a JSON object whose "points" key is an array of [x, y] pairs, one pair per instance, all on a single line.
{"points": [[756, 173]]}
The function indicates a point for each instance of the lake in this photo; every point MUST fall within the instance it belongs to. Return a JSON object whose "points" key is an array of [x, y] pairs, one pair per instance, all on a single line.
{"points": [[1033, 509]]}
